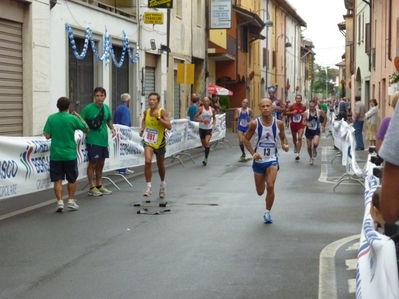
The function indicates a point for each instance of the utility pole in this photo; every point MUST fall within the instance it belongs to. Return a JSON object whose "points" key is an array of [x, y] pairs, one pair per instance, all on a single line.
{"points": [[326, 83]]}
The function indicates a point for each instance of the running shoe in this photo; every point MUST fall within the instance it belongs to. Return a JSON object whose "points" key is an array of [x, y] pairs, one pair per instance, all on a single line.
{"points": [[162, 191], [125, 172], [205, 162], [105, 191], [314, 153], [147, 192], [267, 218], [72, 205], [297, 158], [95, 192], [311, 161], [243, 156], [60, 206]]}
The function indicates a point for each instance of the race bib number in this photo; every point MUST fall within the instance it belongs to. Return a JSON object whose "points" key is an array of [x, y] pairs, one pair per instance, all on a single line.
{"points": [[313, 124], [297, 118], [243, 123], [266, 152], [151, 136]]}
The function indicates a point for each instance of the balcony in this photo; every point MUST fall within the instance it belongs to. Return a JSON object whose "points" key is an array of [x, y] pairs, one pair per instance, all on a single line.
{"points": [[218, 53]]}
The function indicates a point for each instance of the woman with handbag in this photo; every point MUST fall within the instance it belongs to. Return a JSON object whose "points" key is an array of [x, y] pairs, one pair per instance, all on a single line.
{"points": [[371, 122]]}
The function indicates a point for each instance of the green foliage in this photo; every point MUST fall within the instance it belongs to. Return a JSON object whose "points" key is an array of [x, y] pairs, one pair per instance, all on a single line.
{"points": [[224, 102], [321, 80]]}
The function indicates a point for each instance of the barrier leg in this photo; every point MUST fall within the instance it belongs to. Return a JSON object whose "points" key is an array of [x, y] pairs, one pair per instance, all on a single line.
{"points": [[347, 177], [112, 182], [337, 154], [121, 175]]}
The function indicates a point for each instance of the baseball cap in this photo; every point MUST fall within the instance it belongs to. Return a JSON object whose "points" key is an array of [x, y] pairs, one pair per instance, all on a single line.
{"points": [[272, 89]]}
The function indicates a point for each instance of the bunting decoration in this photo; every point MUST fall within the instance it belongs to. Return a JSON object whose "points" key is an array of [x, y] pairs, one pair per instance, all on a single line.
{"points": [[107, 50]]}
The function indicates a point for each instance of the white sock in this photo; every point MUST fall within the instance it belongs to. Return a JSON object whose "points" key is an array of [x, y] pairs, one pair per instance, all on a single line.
{"points": [[267, 211], [149, 184], [163, 184]]}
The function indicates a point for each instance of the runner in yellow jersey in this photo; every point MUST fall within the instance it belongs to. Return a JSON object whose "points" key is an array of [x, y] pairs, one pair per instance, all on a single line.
{"points": [[153, 127]]}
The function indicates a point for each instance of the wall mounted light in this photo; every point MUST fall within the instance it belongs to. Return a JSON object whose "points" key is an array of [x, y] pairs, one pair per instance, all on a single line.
{"points": [[164, 48], [153, 44]]}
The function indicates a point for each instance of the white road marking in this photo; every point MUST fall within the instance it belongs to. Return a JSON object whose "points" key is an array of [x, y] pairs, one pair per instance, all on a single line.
{"points": [[327, 279], [27, 209], [351, 264], [352, 285], [354, 246]]}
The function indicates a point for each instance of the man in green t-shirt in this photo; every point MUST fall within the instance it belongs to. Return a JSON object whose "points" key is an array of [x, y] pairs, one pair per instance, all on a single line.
{"points": [[97, 140], [60, 128]]}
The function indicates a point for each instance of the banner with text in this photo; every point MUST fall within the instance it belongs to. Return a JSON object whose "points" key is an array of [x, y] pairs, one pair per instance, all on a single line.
{"points": [[376, 273], [25, 161]]}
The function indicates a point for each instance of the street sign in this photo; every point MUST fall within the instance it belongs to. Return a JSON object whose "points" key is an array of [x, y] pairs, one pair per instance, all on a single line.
{"points": [[153, 18], [160, 4]]}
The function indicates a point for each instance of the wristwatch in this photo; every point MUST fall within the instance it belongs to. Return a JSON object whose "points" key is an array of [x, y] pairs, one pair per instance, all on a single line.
{"points": [[158, 118]]}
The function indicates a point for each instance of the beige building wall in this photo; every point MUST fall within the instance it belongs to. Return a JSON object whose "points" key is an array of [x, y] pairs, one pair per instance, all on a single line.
{"points": [[385, 47]]}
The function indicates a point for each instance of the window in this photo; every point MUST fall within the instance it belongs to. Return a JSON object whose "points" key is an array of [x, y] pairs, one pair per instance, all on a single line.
{"points": [[243, 38], [81, 77], [120, 78], [368, 39]]}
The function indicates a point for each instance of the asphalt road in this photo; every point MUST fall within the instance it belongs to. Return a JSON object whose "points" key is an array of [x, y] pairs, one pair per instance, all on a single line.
{"points": [[211, 244]]}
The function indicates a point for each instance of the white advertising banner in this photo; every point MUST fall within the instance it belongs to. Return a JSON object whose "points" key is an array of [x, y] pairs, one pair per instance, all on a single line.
{"points": [[377, 272], [344, 140], [25, 161]]}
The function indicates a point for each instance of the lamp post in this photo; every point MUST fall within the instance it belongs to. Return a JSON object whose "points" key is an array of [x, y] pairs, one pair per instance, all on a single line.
{"points": [[286, 45], [326, 82], [268, 23]]}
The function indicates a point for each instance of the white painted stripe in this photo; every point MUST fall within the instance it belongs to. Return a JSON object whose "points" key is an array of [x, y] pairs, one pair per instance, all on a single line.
{"points": [[323, 173], [352, 285], [351, 264], [324, 154], [354, 246], [27, 209], [40, 205], [327, 279]]}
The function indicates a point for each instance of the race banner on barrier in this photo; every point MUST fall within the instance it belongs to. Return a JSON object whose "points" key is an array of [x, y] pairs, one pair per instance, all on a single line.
{"points": [[377, 272], [25, 161], [344, 140]]}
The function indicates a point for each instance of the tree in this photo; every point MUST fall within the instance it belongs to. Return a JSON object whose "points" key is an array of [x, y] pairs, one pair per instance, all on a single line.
{"points": [[322, 78]]}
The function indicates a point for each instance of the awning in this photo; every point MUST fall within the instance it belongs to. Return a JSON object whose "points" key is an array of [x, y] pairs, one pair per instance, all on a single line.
{"points": [[219, 90]]}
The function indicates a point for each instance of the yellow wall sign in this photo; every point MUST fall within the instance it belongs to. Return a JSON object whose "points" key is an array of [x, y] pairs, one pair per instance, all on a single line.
{"points": [[185, 73], [153, 18], [160, 4]]}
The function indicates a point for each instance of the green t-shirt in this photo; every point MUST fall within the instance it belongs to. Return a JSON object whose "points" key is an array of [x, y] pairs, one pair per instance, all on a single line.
{"points": [[97, 137], [61, 127], [324, 107]]}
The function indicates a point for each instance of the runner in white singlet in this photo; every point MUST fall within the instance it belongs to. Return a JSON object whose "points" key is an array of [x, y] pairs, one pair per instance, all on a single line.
{"points": [[267, 130]]}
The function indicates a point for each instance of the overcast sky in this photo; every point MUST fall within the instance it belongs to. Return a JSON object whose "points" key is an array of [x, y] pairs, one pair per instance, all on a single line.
{"points": [[322, 17]]}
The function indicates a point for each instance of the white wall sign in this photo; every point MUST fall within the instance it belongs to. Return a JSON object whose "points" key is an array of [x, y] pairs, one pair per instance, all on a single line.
{"points": [[220, 14]]}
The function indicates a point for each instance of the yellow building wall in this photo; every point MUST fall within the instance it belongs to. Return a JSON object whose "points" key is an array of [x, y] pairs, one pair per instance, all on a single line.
{"points": [[253, 62], [218, 37]]}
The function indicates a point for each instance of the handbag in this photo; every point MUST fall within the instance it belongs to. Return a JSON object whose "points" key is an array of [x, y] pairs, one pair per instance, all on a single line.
{"points": [[96, 122]]}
